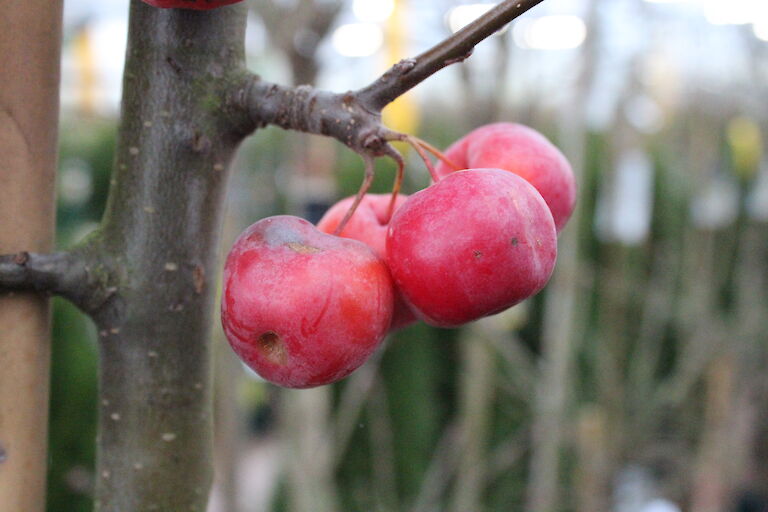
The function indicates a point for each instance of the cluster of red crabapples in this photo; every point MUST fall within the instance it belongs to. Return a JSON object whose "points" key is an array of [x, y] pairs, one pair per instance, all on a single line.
{"points": [[305, 306]]}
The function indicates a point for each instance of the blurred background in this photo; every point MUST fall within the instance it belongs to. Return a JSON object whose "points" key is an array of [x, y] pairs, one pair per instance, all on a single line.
{"points": [[635, 382]]}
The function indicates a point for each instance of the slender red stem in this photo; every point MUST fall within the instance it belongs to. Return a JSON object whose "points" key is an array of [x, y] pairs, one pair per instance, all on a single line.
{"points": [[397, 157], [364, 187], [437, 153], [414, 142]]}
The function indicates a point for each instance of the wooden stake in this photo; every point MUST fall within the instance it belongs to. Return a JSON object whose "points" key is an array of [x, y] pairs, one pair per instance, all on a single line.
{"points": [[30, 46]]}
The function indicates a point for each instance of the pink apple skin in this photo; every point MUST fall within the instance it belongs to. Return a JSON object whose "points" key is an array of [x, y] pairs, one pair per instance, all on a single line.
{"points": [[369, 225], [525, 152], [471, 245], [301, 307], [198, 5]]}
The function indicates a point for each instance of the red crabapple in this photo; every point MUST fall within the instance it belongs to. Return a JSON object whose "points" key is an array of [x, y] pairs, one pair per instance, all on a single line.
{"points": [[369, 225], [301, 307], [198, 5], [471, 245], [523, 151]]}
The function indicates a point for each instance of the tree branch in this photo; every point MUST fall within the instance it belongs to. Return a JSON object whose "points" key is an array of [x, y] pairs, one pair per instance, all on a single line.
{"points": [[354, 118], [310, 110], [31, 271], [62, 273], [408, 73]]}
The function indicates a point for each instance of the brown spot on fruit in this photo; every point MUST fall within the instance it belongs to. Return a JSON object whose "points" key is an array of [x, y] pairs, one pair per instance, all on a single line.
{"points": [[478, 254], [303, 249], [515, 241], [271, 345]]}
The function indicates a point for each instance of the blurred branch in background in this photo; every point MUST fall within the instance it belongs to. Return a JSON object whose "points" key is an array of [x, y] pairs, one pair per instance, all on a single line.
{"points": [[296, 30], [562, 323]]}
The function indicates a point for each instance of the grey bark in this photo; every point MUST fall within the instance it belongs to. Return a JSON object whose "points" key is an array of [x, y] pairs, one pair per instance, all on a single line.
{"points": [[160, 230]]}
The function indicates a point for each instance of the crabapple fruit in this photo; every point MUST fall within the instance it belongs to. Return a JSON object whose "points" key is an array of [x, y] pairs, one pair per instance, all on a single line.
{"points": [[523, 151], [198, 5], [301, 307], [471, 245], [369, 225]]}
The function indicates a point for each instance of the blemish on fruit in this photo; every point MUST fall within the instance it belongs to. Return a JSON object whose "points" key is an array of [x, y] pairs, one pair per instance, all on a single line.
{"points": [[515, 241], [3, 454], [115, 416], [133, 150], [168, 437], [171, 267], [272, 347], [478, 254], [302, 248]]}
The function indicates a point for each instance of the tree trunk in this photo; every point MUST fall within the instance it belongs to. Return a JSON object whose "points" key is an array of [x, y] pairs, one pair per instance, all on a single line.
{"points": [[30, 46], [161, 230]]}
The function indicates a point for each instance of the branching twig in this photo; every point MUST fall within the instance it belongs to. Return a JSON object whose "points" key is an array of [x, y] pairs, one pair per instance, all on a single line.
{"points": [[354, 118]]}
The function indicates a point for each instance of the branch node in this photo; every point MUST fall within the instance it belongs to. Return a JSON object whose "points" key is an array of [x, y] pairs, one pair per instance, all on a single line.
{"points": [[460, 58], [21, 258], [406, 65], [373, 142]]}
